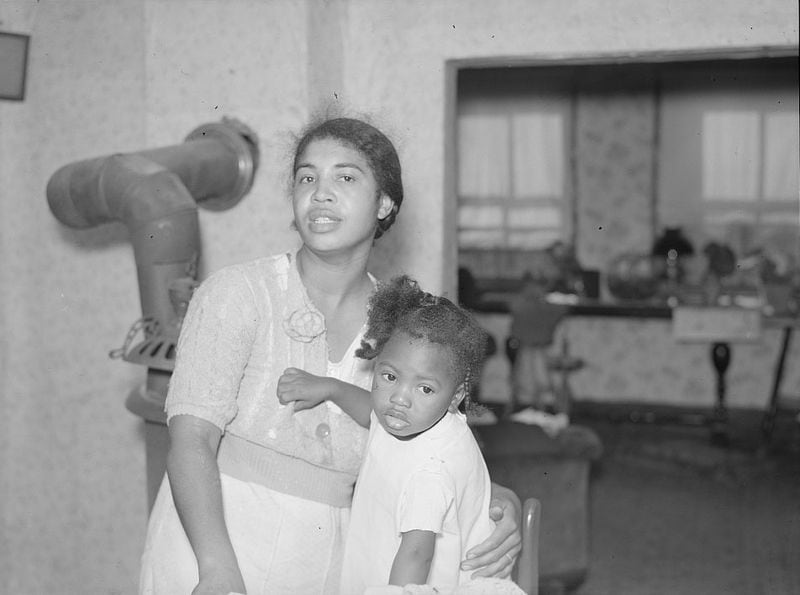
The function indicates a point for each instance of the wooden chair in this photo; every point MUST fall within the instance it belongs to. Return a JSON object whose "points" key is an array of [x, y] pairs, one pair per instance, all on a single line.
{"points": [[564, 365], [528, 561], [561, 363]]}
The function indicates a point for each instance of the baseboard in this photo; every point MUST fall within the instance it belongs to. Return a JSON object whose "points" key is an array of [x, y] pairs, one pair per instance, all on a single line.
{"points": [[786, 420]]}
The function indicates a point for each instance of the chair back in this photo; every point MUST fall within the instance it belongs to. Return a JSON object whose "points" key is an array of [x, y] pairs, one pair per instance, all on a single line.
{"points": [[528, 561]]}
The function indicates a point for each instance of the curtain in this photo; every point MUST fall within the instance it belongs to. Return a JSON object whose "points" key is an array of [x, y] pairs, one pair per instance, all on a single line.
{"points": [[731, 155]]}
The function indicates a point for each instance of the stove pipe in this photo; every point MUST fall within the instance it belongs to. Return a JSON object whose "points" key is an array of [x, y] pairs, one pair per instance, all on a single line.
{"points": [[155, 193]]}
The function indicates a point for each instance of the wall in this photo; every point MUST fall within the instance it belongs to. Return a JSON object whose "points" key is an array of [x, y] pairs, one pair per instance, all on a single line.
{"points": [[638, 360], [71, 458], [451, 32], [614, 140], [122, 75], [106, 77]]}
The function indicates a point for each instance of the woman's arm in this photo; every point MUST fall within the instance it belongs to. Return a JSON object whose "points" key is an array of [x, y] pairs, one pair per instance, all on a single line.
{"points": [[308, 390], [412, 563], [195, 482], [496, 556]]}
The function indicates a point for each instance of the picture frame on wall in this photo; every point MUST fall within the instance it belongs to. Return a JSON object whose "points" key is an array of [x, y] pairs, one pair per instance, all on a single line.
{"points": [[13, 65]]}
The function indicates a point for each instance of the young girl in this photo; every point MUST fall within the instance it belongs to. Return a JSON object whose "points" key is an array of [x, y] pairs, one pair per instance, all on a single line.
{"points": [[423, 491], [267, 403]]}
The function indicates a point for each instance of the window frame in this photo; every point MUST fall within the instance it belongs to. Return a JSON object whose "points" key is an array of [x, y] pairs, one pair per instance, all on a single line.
{"points": [[557, 101]]}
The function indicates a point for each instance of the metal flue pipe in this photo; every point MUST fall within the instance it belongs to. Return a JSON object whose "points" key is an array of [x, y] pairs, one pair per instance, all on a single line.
{"points": [[155, 193]]}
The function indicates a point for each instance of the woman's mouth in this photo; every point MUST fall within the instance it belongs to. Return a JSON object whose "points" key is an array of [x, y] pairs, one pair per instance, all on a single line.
{"points": [[322, 219]]}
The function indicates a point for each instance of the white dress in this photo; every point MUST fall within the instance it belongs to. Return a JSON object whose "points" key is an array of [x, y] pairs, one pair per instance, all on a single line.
{"points": [[284, 544], [435, 482]]}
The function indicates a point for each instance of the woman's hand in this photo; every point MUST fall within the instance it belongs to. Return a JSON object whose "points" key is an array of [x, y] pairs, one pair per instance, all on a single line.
{"points": [[495, 557], [220, 581], [304, 389], [194, 478]]}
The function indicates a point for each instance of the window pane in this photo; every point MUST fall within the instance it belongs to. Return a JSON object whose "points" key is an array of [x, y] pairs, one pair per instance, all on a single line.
{"points": [[533, 239], [782, 156], [481, 239], [731, 155], [538, 141], [483, 164], [729, 217], [790, 218], [478, 216], [527, 217]]}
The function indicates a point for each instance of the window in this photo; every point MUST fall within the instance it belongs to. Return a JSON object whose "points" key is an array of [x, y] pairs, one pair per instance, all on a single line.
{"points": [[512, 166], [605, 156], [730, 153], [751, 168]]}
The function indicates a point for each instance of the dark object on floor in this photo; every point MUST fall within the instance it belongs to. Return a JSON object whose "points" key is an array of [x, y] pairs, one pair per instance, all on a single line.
{"points": [[556, 471]]}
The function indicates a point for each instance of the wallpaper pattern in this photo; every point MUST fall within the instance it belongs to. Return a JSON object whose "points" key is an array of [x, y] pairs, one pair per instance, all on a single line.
{"points": [[614, 175], [639, 361]]}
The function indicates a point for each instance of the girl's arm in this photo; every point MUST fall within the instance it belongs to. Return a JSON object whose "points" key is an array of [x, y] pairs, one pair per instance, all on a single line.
{"points": [[412, 563], [194, 479], [496, 556], [308, 390]]}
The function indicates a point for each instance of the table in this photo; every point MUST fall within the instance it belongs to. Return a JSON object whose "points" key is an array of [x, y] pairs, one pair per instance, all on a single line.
{"points": [[702, 330], [768, 422], [719, 326]]}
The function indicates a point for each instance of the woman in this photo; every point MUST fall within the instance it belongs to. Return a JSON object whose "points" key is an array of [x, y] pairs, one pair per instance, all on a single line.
{"points": [[268, 404]]}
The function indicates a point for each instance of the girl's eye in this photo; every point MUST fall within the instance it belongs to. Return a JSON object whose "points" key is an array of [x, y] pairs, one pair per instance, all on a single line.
{"points": [[426, 390], [389, 377]]}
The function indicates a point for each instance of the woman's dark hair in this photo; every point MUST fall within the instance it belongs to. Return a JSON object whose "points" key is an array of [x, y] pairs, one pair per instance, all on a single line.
{"points": [[376, 148], [400, 305]]}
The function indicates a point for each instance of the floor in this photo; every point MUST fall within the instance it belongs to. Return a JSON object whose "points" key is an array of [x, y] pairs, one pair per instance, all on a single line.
{"points": [[672, 513]]}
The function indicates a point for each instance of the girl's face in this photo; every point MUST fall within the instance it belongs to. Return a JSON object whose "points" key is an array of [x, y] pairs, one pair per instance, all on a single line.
{"points": [[335, 197], [414, 385]]}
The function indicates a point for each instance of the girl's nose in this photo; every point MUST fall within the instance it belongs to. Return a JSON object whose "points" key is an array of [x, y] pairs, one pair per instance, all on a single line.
{"points": [[399, 397]]}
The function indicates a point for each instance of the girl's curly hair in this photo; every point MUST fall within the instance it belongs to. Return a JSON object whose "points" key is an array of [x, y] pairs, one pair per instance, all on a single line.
{"points": [[400, 305]]}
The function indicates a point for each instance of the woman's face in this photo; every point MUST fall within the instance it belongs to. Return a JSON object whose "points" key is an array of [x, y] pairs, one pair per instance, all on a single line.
{"points": [[335, 197], [414, 385]]}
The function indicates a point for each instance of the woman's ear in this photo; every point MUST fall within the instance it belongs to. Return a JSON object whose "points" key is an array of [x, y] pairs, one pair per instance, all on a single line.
{"points": [[458, 396], [385, 206]]}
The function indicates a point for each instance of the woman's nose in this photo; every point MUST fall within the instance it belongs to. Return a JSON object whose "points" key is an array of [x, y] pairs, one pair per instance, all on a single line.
{"points": [[322, 193]]}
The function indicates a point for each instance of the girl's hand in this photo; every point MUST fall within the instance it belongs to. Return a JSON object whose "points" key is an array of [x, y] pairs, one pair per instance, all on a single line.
{"points": [[495, 557], [304, 389]]}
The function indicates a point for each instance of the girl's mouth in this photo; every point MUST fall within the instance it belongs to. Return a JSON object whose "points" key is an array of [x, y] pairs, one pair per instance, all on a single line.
{"points": [[395, 419]]}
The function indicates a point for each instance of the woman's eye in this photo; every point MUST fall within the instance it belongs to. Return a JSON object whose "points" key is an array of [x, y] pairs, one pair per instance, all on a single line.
{"points": [[305, 179], [348, 178]]}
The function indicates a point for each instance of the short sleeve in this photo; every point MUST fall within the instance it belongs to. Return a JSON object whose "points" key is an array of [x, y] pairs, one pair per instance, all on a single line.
{"points": [[213, 348], [427, 496]]}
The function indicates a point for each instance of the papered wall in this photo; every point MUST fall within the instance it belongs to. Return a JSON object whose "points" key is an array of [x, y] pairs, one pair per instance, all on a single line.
{"points": [[124, 75], [638, 360], [615, 149], [107, 77]]}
